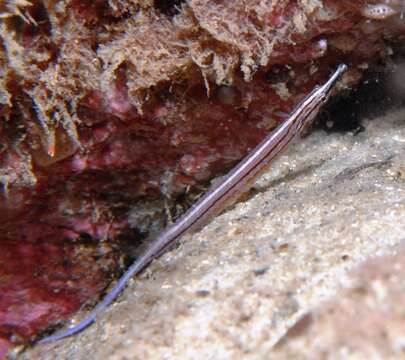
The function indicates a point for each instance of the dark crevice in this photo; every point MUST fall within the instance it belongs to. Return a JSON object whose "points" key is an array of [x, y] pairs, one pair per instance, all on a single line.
{"points": [[169, 7], [380, 91]]}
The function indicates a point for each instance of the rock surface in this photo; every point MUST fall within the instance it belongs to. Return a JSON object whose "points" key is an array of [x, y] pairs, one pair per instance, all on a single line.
{"points": [[367, 320], [106, 104], [251, 277]]}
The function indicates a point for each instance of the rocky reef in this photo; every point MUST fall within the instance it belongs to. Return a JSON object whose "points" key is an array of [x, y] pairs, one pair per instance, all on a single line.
{"points": [[108, 105]]}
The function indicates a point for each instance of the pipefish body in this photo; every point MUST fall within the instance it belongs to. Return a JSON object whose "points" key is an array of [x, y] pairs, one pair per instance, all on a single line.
{"points": [[220, 195]]}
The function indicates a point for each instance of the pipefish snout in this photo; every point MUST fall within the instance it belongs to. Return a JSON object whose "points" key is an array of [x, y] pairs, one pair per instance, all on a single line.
{"points": [[221, 195]]}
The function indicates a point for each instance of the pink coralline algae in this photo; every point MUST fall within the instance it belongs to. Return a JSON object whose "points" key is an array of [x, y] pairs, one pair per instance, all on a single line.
{"points": [[106, 104]]}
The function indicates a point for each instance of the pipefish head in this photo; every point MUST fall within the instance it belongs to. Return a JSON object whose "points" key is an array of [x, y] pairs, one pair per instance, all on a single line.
{"points": [[319, 96], [326, 89]]}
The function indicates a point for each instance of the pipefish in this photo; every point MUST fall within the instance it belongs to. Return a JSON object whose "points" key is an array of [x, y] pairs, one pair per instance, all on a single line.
{"points": [[220, 195]]}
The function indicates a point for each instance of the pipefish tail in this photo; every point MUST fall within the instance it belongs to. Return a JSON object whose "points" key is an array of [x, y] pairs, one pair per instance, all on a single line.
{"points": [[218, 197]]}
